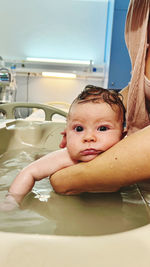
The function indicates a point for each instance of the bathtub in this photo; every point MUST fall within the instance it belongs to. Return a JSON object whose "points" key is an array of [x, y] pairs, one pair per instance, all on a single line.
{"points": [[127, 246]]}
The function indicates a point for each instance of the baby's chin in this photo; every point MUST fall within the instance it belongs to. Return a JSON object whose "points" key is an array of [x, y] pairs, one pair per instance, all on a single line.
{"points": [[87, 158]]}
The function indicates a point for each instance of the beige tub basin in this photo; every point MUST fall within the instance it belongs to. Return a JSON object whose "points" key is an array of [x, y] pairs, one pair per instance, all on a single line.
{"points": [[87, 230]]}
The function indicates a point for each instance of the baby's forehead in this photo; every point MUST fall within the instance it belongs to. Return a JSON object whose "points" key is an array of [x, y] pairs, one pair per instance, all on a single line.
{"points": [[93, 103], [90, 107], [75, 106]]}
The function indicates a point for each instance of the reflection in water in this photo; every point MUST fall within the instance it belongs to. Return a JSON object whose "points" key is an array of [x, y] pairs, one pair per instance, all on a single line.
{"points": [[45, 212]]}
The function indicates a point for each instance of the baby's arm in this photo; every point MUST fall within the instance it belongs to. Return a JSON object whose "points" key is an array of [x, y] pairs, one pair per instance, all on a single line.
{"points": [[36, 171]]}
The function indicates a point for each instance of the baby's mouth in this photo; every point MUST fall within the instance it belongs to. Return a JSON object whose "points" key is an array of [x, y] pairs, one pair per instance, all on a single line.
{"points": [[90, 151]]}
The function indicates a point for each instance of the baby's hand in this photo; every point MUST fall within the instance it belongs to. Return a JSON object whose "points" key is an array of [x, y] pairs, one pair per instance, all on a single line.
{"points": [[9, 203]]}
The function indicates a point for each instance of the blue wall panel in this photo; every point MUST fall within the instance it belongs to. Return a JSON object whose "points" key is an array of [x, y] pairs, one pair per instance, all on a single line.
{"points": [[120, 66], [121, 4]]}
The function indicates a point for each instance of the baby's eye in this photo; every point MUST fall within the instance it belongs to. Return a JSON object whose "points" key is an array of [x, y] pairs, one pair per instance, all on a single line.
{"points": [[102, 128], [78, 128]]}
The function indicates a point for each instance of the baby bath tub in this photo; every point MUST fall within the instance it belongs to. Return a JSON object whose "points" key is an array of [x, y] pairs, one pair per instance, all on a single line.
{"points": [[88, 230]]}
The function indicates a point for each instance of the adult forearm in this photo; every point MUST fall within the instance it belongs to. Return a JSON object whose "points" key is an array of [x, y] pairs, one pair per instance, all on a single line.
{"points": [[125, 163]]}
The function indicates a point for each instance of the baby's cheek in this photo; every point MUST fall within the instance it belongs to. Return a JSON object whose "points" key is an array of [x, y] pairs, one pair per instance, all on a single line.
{"points": [[73, 149], [73, 154]]}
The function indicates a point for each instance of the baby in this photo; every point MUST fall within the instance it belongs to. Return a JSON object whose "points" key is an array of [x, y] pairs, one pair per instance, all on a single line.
{"points": [[95, 123]]}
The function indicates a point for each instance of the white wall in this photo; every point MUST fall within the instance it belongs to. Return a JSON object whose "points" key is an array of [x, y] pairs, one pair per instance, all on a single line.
{"points": [[63, 29], [70, 29], [42, 90]]}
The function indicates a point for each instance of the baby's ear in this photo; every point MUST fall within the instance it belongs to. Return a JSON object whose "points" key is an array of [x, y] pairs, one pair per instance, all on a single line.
{"points": [[64, 139]]}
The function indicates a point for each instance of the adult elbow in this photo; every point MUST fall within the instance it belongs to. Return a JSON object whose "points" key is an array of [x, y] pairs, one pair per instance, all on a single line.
{"points": [[62, 187], [57, 185]]}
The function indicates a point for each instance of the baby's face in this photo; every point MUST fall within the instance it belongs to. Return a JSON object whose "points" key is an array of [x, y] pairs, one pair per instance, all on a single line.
{"points": [[92, 128]]}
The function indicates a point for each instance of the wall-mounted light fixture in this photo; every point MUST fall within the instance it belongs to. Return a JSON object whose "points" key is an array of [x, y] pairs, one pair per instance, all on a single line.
{"points": [[59, 75], [72, 69], [59, 61]]}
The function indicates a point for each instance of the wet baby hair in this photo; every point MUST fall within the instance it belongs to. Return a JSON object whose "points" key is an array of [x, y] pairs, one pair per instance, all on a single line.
{"points": [[98, 94]]}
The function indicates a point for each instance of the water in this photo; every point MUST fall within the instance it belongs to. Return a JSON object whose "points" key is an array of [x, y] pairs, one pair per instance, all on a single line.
{"points": [[45, 212]]}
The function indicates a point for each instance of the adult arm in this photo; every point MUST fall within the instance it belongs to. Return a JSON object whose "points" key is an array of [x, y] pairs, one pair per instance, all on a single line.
{"points": [[125, 163]]}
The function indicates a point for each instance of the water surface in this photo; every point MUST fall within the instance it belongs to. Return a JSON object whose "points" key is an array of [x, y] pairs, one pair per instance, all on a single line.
{"points": [[45, 212]]}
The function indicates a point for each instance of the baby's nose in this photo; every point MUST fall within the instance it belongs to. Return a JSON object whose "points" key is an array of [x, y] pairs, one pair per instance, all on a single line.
{"points": [[89, 138]]}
